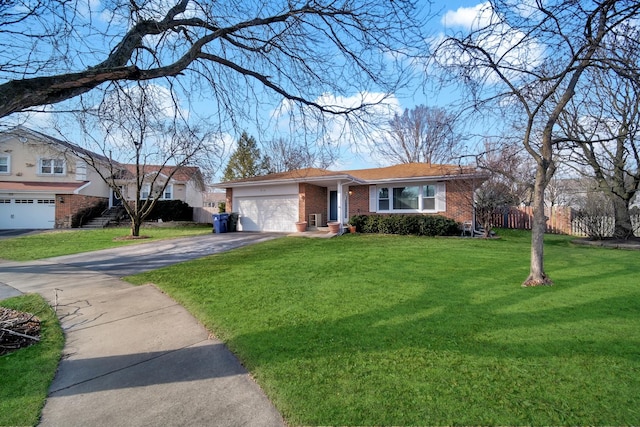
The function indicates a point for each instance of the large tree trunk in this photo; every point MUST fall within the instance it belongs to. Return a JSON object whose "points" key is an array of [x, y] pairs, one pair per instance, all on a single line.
{"points": [[537, 276], [623, 228], [135, 227]]}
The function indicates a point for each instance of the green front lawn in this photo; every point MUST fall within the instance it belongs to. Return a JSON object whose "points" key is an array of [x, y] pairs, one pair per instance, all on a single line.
{"points": [[395, 330], [65, 242], [25, 374]]}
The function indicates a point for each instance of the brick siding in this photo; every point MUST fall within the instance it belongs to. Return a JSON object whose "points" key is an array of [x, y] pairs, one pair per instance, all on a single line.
{"points": [[359, 200], [67, 205], [312, 200], [459, 200], [228, 206]]}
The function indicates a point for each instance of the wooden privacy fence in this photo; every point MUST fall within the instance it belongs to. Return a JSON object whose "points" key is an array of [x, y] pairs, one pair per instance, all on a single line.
{"points": [[559, 219], [204, 215]]}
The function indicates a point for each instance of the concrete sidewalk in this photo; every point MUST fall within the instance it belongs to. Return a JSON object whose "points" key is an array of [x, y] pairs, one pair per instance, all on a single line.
{"points": [[134, 357]]}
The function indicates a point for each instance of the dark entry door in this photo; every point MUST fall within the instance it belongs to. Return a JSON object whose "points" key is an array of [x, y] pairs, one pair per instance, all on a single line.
{"points": [[115, 200], [333, 206]]}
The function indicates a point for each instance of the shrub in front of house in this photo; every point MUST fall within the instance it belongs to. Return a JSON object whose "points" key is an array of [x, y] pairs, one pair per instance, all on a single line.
{"points": [[419, 225], [171, 210]]}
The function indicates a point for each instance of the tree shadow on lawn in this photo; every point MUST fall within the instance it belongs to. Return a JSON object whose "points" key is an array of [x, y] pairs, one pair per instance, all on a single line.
{"points": [[517, 343], [466, 327]]}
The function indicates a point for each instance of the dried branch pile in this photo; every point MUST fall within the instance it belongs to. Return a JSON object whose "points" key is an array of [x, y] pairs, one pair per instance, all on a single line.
{"points": [[17, 330]]}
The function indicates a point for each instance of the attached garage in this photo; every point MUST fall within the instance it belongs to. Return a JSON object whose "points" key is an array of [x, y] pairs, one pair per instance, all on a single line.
{"points": [[268, 213], [32, 205], [27, 211], [267, 208]]}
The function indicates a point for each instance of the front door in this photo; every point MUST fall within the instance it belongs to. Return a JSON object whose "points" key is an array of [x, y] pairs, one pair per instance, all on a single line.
{"points": [[333, 206], [115, 199]]}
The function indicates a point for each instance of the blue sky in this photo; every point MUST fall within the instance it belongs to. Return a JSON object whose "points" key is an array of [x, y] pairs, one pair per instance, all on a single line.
{"points": [[352, 155]]}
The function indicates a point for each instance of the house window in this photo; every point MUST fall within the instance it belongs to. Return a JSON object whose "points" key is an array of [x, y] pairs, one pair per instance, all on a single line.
{"points": [[405, 198], [429, 197], [51, 167], [168, 192], [145, 192], [414, 198], [81, 171], [5, 164], [383, 199]]}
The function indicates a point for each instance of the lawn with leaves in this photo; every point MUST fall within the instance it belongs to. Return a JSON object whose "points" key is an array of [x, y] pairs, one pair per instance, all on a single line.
{"points": [[25, 374], [396, 330], [65, 242]]}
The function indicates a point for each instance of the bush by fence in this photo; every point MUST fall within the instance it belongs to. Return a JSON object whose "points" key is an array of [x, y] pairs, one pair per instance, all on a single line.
{"points": [[419, 225]]}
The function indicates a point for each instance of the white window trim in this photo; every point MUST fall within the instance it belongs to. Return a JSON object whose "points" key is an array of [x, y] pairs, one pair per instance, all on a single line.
{"points": [[52, 173], [168, 189], [440, 197], [146, 188], [8, 171]]}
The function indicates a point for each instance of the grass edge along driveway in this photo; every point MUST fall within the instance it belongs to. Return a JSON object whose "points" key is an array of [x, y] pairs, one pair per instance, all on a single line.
{"points": [[66, 242], [396, 330]]}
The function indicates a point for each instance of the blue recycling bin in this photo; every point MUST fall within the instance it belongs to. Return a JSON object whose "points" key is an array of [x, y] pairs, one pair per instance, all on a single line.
{"points": [[220, 222]]}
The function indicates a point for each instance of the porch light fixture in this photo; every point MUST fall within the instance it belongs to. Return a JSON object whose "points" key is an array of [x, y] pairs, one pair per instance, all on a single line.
{"points": [[61, 199], [351, 192]]}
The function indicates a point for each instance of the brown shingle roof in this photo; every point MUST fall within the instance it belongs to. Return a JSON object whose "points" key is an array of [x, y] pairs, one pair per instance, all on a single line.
{"points": [[183, 173], [397, 172], [290, 175], [409, 170]]}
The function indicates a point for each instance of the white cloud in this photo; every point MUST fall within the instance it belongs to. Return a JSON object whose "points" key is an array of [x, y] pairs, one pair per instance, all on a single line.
{"points": [[469, 18], [510, 47], [350, 138], [38, 120]]}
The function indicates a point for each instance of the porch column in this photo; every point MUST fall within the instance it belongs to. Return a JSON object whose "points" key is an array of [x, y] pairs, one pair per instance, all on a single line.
{"points": [[340, 206]]}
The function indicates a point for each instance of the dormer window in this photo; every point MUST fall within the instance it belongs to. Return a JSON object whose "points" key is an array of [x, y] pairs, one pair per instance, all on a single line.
{"points": [[51, 167]]}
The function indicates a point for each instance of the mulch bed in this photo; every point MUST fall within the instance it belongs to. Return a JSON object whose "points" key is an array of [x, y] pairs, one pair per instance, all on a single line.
{"points": [[17, 330], [122, 238], [632, 243]]}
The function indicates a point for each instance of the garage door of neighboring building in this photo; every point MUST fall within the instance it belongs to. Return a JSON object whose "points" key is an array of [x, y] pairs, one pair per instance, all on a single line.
{"points": [[271, 213], [16, 213]]}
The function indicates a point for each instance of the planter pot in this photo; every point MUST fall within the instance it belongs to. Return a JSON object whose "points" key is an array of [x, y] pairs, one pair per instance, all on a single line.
{"points": [[334, 227], [301, 226], [352, 229]]}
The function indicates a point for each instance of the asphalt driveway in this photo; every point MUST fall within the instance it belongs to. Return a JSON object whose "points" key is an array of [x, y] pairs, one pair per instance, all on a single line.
{"points": [[5, 233], [138, 258]]}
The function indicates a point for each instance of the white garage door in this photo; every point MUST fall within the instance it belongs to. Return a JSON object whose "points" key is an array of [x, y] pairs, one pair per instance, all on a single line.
{"points": [[16, 213], [272, 213]]}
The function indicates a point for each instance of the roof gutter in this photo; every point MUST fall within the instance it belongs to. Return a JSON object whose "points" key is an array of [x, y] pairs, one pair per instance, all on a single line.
{"points": [[426, 178], [328, 178]]}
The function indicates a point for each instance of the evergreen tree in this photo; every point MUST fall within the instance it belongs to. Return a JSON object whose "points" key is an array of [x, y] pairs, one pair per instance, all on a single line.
{"points": [[246, 161]]}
